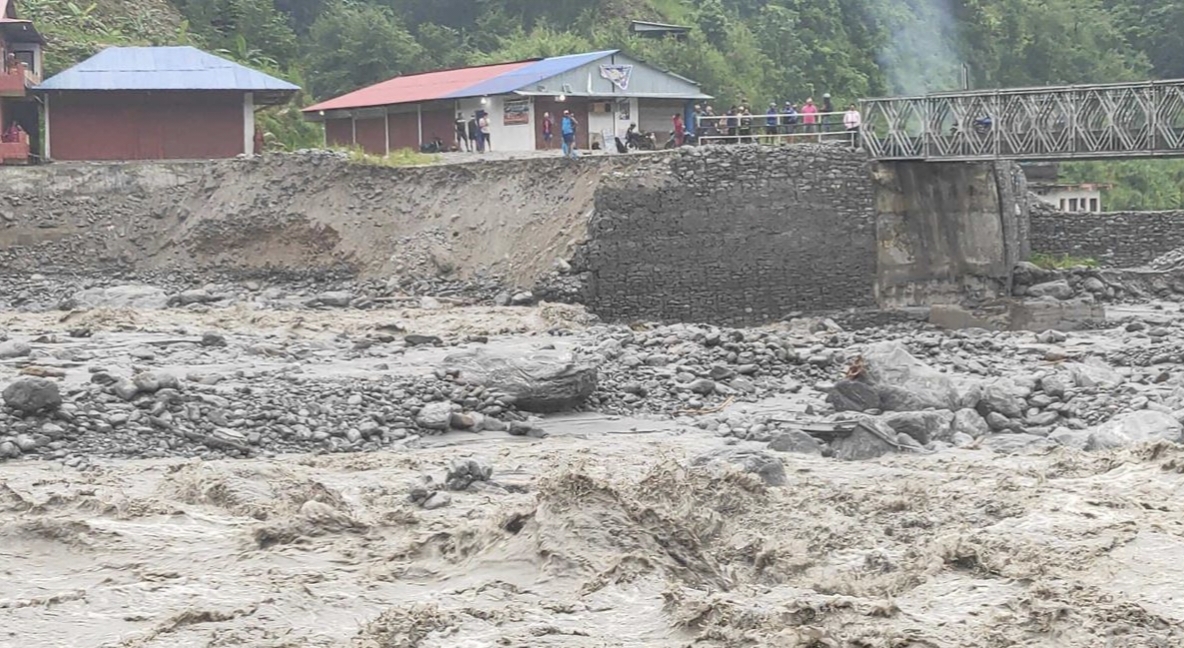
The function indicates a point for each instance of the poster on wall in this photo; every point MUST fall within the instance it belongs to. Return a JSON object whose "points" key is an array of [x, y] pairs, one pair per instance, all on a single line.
{"points": [[623, 109], [517, 112]]}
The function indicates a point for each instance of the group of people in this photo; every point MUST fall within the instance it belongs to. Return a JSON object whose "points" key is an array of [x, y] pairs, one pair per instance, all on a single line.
{"points": [[568, 127], [473, 134], [740, 125]]}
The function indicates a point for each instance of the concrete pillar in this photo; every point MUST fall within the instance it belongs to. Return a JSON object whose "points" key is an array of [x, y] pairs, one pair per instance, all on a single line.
{"points": [[249, 123]]}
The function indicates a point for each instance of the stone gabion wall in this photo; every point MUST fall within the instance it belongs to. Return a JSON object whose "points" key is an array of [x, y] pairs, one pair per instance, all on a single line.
{"points": [[1116, 240], [733, 235]]}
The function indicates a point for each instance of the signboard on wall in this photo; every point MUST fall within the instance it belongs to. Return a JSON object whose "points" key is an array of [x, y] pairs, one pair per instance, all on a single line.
{"points": [[517, 112], [618, 74]]}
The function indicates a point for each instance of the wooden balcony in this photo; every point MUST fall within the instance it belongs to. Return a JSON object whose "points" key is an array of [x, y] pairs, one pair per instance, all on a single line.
{"points": [[14, 82]]}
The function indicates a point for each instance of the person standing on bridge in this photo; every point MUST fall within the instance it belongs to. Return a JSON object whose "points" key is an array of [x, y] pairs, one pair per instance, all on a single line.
{"points": [[548, 127], [810, 116], [828, 109], [772, 118], [853, 121]]}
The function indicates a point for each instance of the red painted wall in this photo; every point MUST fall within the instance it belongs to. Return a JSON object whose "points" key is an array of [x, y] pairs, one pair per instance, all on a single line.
{"points": [[404, 131], [442, 124], [339, 132], [371, 134], [145, 125]]}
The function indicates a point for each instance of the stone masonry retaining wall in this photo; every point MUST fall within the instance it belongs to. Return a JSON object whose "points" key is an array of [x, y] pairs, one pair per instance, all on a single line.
{"points": [[1117, 240], [737, 235]]}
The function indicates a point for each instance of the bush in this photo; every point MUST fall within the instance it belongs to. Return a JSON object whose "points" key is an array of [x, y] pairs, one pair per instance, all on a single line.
{"points": [[1061, 261]]}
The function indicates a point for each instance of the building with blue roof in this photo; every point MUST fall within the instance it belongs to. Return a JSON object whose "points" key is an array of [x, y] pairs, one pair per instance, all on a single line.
{"points": [[606, 91], [155, 103]]}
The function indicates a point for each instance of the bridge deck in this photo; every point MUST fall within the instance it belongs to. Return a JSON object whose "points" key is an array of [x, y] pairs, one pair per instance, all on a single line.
{"points": [[1128, 120]]}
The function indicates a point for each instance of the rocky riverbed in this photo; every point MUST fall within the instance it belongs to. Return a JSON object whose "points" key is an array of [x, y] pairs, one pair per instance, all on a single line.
{"points": [[428, 473]]}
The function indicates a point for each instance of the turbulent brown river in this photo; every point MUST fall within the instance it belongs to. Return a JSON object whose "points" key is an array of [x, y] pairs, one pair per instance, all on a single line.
{"points": [[604, 534]]}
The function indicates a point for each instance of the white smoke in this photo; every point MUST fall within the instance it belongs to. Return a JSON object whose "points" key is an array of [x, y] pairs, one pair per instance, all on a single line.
{"points": [[922, 55]]}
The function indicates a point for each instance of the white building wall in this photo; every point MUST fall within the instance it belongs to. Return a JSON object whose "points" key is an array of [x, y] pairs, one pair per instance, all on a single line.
{"points": [[516, 137]]}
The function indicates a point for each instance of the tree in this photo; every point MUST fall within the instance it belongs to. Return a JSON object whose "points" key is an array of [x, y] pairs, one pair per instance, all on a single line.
{"points": [[354, 45]]}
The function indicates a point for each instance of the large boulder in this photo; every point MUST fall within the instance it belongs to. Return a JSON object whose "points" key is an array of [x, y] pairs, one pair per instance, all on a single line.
{"points": [[1055, 289], [1002, 396], [33, 395], [871, 438], [904, 383], [796, 441], [132, 296], [923, 427], [1144, 426], [768, 467], [853, 396], [14, 349], [1093, 373], [971, 423], [540, 381]]}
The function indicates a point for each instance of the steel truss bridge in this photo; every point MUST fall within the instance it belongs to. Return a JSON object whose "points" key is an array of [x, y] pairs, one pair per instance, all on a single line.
{"points": [[1127, 120]]}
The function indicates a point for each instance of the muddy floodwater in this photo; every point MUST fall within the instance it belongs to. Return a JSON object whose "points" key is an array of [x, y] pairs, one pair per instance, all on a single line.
{"points": [[607, 533], [597, 538]]}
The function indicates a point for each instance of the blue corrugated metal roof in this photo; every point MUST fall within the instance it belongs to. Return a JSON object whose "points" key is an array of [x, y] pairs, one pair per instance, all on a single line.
{"points": [[521, 78], [162, 68]]}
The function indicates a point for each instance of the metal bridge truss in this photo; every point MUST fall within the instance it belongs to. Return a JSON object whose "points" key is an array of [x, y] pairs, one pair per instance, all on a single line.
{"points": [[1119, 120]]}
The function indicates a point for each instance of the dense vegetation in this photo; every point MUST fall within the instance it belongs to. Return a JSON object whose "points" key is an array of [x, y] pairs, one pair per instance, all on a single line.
{"points": [[761, 50]]}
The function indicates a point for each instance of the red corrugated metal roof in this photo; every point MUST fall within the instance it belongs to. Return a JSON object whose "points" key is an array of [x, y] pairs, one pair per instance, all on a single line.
{"points": [[417, 87]]}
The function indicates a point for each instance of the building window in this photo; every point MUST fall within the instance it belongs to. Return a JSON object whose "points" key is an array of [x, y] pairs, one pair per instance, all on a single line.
{"points": [[28, 59], [1062, 204], [1093, 205], [1073, 204]]}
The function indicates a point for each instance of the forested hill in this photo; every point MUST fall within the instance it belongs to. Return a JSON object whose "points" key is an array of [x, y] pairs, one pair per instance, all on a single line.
{"points": [[757, 49]]}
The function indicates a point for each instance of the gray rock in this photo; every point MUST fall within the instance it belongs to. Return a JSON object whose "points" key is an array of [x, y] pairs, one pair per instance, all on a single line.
{"points": [[435, 416], [853, 396], [971, 423], [150, 382], [999, 422], [542, 381], [125, 389], [1093, 373], [1013, 443], [1002, 396], [1076, 439], [1051, 337], [26, 443], [1044, 419], [462, 421], [8, 450], [870, 439], [797, 442], [422, 340], [923, 427], [132, 297], [904, 383], [768, 467], [335, 299], [212, 339], [524, 298], [464, 472], [702, 386], [33, 395], [1056, 289], [436, 500], [14, 349], [1144, 426], [1094, 285], [199, 296], [1054, 385], [430, 303]]}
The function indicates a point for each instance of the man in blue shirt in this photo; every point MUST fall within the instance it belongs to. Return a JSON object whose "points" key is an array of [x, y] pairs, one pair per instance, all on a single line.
{"points": [[568, 128], [771, 120]]}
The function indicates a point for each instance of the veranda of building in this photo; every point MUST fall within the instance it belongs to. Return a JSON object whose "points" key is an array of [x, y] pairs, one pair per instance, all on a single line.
{"points": [[606, 91]]}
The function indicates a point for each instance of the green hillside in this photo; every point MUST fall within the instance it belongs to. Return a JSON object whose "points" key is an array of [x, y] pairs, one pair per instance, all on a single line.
{"points": [[760, 50]]}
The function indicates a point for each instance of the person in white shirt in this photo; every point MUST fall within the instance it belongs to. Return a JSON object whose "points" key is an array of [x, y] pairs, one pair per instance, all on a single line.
{"points": [[853, 120]]}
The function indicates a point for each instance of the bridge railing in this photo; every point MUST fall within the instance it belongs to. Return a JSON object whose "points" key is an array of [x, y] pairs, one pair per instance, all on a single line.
{"points": [[729, 129], [1143, 119]]}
